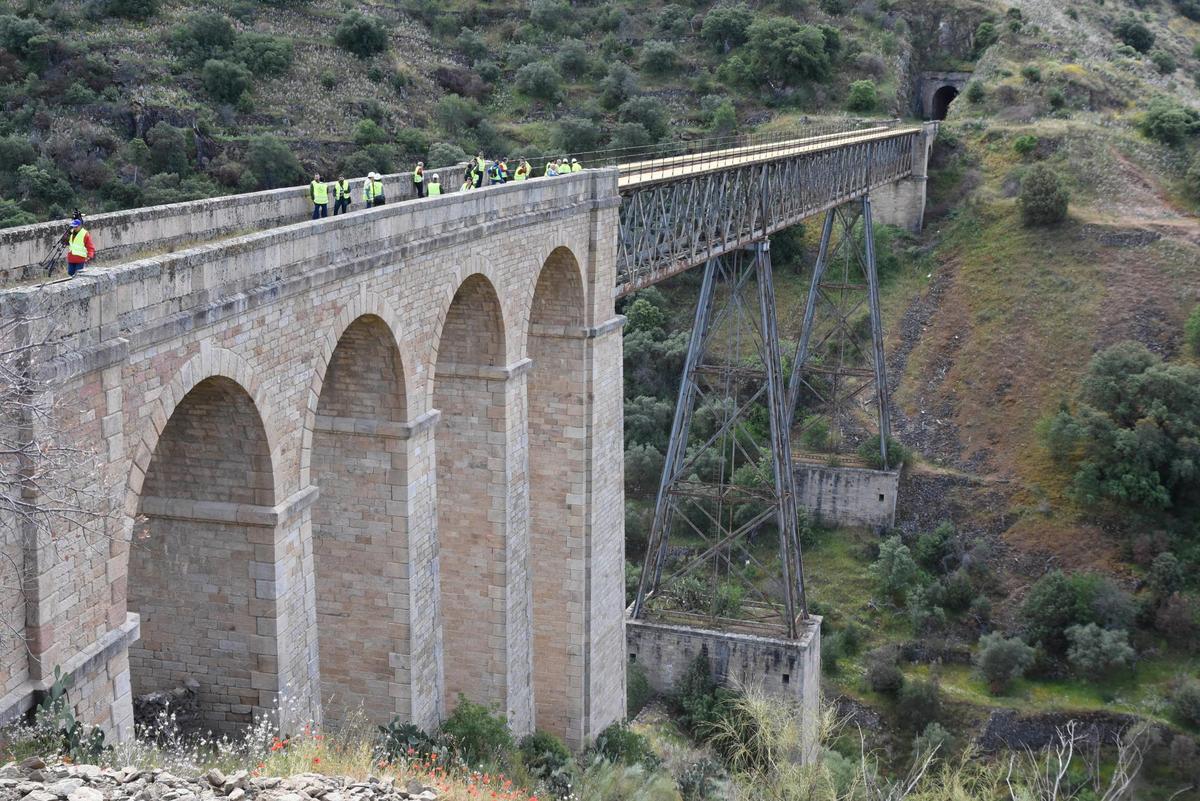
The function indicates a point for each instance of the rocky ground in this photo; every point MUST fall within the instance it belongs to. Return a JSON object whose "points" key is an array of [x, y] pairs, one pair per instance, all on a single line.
{"points": [[35, 780]]}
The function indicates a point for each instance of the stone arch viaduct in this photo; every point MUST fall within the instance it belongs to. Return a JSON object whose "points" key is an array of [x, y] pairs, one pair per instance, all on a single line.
{"points": [[373, 461]]}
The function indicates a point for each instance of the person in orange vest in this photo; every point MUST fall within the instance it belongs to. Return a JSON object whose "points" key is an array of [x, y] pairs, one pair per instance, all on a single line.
{"points": [[80, 249]]}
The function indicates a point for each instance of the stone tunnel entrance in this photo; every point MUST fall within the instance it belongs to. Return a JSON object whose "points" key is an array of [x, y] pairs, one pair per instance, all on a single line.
{"points": [[942, 99], [938, 90]]}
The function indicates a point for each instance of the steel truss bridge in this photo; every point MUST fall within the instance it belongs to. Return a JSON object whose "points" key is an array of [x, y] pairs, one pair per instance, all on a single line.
{"points": [[678, 212], [718, 208]]}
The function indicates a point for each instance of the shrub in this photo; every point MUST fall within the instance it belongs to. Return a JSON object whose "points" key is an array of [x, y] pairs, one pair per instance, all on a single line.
{"points": [[401, 739], [1130, 30], [643, 467], [933, 547], [1095, 652], [883, 674], [414, 143], [15, 151], [727, 601], [264, 55], [361, 35], [573, 58], [617, 86], [476, 732], [168, 149], [1169, 122], [924, 611], [11, 214], [894, 570], [1056, 98], [787, 52], [1031, 74], [723, 119], [701, 702], [1049, 610], [576, 135], [540, 81], [958, 591], [1191, 329], [203, 36], [659, 58], [1002, 661], [620, 744], [986, 35], [647, 112], [548, 758], [272, 163], [1164, 62], [549, 14], [918, 704], [868, 451], [131, 9], [862, 97], [224, 80], [630, 136], [935, 739], [369, 132], [975, 92], [725, 26], [1043, 199], [1185, 702], [1166, 575], [1179, 619]]}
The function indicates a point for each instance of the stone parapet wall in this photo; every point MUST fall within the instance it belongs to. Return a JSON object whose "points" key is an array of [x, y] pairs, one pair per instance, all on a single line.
{"points": [[120, 235]]}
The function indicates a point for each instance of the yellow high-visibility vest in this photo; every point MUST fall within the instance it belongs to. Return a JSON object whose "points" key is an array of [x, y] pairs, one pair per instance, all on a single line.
{"points": [[320, 192], [434, 188], [377, 189], [576, 167], [342, 190], [76, 243], [418, 175]]}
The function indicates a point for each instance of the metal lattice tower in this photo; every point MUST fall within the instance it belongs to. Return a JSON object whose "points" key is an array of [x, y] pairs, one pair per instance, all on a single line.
{"points": [[839, 374], [722, 486]]}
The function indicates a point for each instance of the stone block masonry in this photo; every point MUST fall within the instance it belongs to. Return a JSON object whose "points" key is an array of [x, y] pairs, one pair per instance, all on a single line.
{"points": [[366, 462]]}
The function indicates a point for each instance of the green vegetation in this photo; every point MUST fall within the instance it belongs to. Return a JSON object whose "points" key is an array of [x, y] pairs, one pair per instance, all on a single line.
{"points": [[1043, 199]]}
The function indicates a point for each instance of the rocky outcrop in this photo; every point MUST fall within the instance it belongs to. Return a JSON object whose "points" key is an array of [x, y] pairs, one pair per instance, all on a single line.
{"points": [[34, 780], [1007, 729]]}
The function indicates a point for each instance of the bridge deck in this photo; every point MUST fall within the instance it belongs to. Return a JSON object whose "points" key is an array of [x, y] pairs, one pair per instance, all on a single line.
{"points": [[640, 173]]}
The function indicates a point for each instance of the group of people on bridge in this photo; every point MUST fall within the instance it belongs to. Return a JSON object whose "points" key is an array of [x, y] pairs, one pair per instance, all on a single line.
{"points": [[77, 243], [479, 170]]}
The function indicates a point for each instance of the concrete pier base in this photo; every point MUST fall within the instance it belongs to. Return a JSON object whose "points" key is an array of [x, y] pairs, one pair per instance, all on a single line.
{"points": [[848, 496], [781, 667]]}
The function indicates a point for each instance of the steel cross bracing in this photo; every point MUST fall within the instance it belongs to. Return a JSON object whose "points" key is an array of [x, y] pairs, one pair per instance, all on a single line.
{"points": [[682, 212], [721, 486], [837, 374]]}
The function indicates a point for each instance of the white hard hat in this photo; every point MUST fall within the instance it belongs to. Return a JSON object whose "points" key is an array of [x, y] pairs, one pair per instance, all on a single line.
{"points": [[372, 175], [435, 177]]}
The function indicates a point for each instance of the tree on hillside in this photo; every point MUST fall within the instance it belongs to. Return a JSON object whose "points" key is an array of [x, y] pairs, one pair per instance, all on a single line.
{"points": [[1043, 199], [1133, 438], [785, 52], [362, 35], [1133, 32], [725, 26]]}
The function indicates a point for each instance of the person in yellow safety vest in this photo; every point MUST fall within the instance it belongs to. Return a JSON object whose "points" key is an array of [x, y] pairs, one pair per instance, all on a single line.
{"points": [[419, 178], [480, 169], [80, 249], [564, 166], [522, 171], [576, 166], [435, 185], [341, 196], [373, 190], [467, 184], [318, 190]]}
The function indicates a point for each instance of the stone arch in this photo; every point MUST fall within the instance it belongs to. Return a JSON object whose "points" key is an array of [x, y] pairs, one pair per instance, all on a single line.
{"points": [[202, 566], [208, 363], [360, 306], [470, 389], [558, 422], [360, 523], [941, 100]]}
